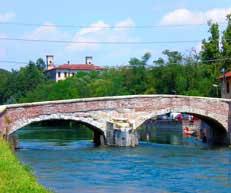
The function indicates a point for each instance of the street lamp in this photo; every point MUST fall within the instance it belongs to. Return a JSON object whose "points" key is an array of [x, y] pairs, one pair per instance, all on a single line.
{"points": [[216, 87], [173, 92]]}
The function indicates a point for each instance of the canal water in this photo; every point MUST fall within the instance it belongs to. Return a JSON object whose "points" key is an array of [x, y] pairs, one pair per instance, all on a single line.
{"points": [[65, 161]]}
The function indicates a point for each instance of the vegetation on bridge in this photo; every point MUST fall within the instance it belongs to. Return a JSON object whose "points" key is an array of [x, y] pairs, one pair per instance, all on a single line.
{"points": [[174, 73], [14, 177]]}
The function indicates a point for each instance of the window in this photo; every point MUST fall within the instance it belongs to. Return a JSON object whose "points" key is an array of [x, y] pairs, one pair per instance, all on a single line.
{"points": [[227, 87], [73, 74], [59, 74], [65, 74]]}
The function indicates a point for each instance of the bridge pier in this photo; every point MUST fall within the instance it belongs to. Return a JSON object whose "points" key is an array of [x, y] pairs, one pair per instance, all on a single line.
{"points": [[121, 133], [99, 139], [229, 138]]}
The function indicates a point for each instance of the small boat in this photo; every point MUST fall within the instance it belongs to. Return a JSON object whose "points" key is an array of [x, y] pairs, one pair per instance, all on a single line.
{"points": [[188, 131]]}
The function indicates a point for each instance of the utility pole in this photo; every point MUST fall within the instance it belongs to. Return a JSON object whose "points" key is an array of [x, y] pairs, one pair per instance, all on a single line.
{"points": [[223, 82]]}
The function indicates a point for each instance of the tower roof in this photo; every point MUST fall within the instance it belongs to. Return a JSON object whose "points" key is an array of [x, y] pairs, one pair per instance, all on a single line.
{"points": [[85, 67]]}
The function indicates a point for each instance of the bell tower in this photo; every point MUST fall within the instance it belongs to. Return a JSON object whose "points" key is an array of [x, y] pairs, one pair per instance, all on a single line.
{"points": [[88, 60], [50, 62]]}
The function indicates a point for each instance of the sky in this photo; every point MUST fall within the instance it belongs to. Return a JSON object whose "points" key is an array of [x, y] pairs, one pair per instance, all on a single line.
{"points": [[103, 21]]}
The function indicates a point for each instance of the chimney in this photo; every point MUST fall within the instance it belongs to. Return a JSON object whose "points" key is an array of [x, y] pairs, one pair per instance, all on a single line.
{"points": [[88, 60], [50, 62]]}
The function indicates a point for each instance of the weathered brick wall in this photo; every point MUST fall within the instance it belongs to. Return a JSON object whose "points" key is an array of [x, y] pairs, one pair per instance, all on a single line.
{"points": [[97, 111]]}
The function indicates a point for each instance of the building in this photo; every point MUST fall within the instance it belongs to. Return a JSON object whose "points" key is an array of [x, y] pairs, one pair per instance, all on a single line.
{"points": [[226, 85], [64, 71]]}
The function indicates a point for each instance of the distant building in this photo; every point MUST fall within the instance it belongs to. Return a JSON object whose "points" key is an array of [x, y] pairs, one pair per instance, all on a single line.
{"points": [[64, 71], [226, 85]]}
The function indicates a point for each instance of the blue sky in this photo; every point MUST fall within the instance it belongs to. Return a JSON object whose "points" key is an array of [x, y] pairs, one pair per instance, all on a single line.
{"points": [[101, 14]]}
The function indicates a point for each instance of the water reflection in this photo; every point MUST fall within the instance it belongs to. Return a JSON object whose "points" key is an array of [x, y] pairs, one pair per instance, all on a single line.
{"points": [[66, 163], [184, 129]]}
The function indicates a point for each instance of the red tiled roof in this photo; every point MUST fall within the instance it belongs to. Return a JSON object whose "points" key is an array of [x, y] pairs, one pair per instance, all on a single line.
{"points": [[88, 67], [227, 75]]}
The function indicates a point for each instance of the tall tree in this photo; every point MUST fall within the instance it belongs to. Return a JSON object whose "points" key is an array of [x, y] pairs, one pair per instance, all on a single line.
{"points": [[226, 44], [136, 77], [210, 48], [174, 57], [4, 76], [41, 65], [22, 81]]}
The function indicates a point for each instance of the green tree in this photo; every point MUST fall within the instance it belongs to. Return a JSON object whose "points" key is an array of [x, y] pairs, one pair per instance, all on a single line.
{"points": [[136, 79], [4, 76], [173, 57], [210, 51], [23, 81], [226, 44], [41, 65], [168, 72]]}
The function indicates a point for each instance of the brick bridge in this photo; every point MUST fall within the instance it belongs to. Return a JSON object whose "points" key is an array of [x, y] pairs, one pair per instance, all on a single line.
{"points": [[114, 120]]}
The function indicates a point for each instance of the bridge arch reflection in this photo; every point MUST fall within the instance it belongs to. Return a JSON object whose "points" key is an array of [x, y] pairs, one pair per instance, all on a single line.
{"points": [[98, 134], [217, 134]]}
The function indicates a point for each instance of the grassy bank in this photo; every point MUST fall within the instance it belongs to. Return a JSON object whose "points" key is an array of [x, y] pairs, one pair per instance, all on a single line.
{"points": [[14, 177]]}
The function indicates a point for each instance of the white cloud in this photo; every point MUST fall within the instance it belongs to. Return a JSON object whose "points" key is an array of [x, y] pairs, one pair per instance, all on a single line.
{"points": [[89, 34], [5, 17], [93, 28], [47, 31], [125, 24], [100, 32], [185, 16], [84, 45]]}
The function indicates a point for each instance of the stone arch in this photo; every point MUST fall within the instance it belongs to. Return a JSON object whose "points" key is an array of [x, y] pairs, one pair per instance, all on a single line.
{"points": [[94, 125], [220, 129]]}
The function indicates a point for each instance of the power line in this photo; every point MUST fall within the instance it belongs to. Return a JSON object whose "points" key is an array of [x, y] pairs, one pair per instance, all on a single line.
{"points": [[13, 62], [100, 42], [107, 27], [212, 60], [187, 62]]}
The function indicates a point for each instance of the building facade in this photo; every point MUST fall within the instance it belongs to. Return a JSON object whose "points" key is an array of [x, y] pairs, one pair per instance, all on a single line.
{"points": [[64, 71]]}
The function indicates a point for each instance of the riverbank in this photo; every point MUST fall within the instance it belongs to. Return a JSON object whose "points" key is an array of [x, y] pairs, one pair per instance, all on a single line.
{"points": [[14, 177]]}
